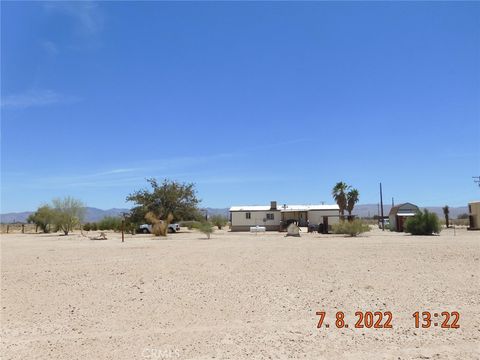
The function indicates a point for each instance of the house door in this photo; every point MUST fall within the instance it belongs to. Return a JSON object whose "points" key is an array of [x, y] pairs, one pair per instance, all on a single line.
{"points": [[400, 221]]}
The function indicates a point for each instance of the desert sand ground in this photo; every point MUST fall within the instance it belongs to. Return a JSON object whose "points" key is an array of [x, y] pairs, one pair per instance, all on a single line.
{"points": [[236, 296]]}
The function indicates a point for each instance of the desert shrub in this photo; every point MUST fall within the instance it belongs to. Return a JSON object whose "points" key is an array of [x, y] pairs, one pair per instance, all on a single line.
{"points": [[461, 222], [159, 227], [219, 221], [462, 216], [69, 213], [110, 223], [191, 224], [204, 227], [352, 228], [43, 218], [423, 223]]}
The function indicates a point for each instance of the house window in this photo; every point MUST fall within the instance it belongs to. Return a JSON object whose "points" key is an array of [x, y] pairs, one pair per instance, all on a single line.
{"points": [[270, 216], [248, 215]]}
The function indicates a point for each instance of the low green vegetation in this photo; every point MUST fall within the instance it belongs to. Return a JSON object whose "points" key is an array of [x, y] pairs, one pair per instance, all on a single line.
{"points": [[63, 214], [189, 224], [43, 218], [423, 223], [219, 221], [204, 227], [90, 226], [352, 228], [107, 223], [110, 223]]}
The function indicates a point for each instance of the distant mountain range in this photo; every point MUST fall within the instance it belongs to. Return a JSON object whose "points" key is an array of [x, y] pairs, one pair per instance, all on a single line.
{"points": [[369, 210], [91, 215], [95, 214]]}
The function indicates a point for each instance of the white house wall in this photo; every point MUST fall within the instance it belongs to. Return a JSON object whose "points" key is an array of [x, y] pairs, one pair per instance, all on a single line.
{"points": [[241, 223], [316, 216]]}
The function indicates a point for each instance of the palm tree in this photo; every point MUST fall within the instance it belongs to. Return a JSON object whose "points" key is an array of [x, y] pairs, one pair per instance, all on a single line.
{"points": [[446, 212], [352, 199], [339, 194]]}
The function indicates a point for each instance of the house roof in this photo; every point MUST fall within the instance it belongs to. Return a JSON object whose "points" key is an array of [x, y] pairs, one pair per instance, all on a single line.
{"points": [[250, 208], [287, 208], [284, 208], [398, 208]]}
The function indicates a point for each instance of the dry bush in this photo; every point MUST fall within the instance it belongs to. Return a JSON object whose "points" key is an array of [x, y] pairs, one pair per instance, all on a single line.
{"points": [[159, 227], [205, 227], [352, 228], [17, 228]]}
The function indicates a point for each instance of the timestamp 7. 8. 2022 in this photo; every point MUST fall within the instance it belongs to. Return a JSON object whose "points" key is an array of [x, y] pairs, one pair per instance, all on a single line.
{"points": [[384, 320]]}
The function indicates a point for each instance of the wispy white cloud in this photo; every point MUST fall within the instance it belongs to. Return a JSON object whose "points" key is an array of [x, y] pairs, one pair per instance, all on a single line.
{"points": [[33, 98], [50, 47], [86, 14], [238, 179], [174, 167], [200, 169]]}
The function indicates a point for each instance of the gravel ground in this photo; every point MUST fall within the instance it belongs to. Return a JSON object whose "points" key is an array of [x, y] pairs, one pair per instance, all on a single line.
{"points": [[236, 296]]}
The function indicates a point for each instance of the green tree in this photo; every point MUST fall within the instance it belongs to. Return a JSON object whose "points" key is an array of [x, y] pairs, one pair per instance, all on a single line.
{"points": [[69, 212], [352, 199], [339, 193], [44, 217], [446, 213], [169, 197], [423, 223]]}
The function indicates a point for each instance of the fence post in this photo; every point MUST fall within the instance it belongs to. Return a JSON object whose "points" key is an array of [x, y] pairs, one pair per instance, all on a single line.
{"points": [[23, 228], [123, 228]]}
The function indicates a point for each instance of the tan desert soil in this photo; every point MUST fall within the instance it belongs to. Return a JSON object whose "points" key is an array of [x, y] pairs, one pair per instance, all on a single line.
{"points": [[236, 296]]}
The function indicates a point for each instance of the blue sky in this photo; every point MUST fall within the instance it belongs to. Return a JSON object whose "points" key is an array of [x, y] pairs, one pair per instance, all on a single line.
{"points": [[251, 101]]}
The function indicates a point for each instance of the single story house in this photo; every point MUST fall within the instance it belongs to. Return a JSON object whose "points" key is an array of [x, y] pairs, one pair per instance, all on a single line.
{"points": [[399, 214], [274, 218], [474, 215]]}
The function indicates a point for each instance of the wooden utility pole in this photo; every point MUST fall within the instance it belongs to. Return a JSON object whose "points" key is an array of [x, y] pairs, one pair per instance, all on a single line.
{"points": [[123, 230], [381, 207]]}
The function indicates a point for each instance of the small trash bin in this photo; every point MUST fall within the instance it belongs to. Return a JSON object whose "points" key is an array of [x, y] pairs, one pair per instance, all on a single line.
{"points": [[320, 229]]}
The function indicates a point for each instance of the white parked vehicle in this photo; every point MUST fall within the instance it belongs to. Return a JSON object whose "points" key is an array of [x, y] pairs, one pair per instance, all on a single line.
{"points": [[147, 228], [385, 221]]}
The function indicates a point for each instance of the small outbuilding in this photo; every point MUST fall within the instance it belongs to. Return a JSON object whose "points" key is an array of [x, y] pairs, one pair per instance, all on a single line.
{"points": [[399, 214], [474, 215]]}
